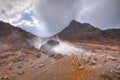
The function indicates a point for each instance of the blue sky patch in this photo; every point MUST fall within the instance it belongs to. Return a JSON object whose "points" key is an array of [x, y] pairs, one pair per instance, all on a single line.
{"points": [[27, 16]]}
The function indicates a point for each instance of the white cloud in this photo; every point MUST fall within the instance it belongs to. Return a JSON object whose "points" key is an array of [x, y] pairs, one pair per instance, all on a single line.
{"points": [[11, 10], [40, 26], [24, 23]]}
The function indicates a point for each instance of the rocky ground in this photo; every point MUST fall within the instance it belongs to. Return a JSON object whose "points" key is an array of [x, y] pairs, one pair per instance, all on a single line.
{"points": [[95, 62]]}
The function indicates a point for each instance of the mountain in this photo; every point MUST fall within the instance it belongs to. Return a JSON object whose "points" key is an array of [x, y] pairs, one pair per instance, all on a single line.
{"points": [[56, 59], [113, 32], [85, 32], [12, 37]]}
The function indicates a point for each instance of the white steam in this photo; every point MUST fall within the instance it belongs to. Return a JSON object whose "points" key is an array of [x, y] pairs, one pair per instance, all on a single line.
{"points": [[38, 42], [66, 48]]}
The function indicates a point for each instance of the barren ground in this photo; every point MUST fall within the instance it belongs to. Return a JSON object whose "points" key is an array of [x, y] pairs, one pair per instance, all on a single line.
{"points": [[97, 62]]}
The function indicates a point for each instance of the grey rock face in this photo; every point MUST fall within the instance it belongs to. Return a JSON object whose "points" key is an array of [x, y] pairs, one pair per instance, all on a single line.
{"points": [[46, 48]]}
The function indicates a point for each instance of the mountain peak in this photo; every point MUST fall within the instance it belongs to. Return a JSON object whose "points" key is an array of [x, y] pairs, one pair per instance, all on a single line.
{"points": [[75, 24], [3, 23], [5, 26], [77, 31], [74, 21]]}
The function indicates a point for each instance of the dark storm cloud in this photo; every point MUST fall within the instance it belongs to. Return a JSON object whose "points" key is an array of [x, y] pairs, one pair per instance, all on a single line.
{"points": [[57, 13], [101, 13]]}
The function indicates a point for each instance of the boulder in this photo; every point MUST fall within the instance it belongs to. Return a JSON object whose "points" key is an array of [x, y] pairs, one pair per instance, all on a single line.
{"points": [[46, 48]]}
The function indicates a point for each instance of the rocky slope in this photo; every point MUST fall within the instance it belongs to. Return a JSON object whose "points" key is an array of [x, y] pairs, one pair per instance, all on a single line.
{"points": [[19, 60], [113, 32], [85, 32], [13, 37]]}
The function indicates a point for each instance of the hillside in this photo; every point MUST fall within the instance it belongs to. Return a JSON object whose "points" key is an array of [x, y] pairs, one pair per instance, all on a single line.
{"points": [[12, 37], [85, 32]]}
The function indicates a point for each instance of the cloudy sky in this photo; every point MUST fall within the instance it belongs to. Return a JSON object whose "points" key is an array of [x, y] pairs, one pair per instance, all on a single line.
{"points": [[47, 17]]}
